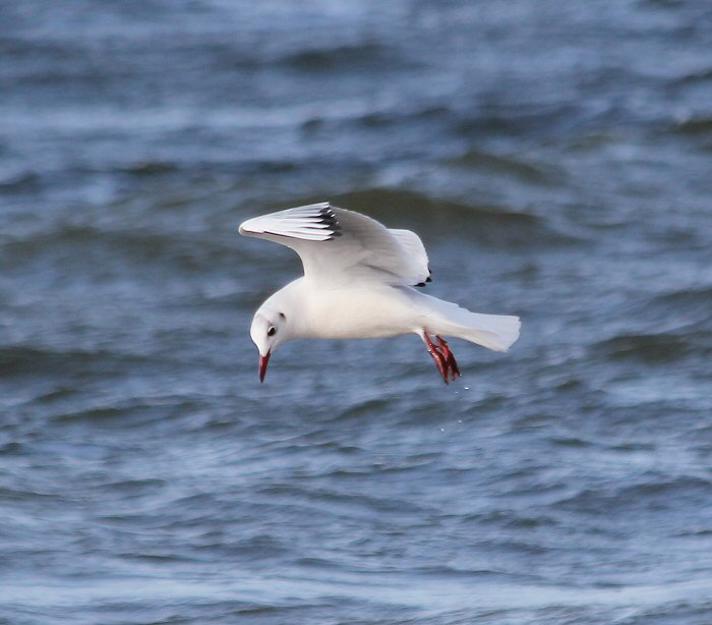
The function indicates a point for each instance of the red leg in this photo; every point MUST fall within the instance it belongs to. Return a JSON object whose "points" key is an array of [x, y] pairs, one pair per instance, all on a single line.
{"points": [[450, 362], [438, 356]]}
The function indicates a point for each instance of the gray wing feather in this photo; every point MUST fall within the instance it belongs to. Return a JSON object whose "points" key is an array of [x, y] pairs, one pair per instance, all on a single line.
{"points": [[337, 245]]}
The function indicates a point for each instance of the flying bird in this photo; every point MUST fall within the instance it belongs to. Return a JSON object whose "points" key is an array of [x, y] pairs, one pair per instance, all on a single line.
{"points": [[359, 282]]}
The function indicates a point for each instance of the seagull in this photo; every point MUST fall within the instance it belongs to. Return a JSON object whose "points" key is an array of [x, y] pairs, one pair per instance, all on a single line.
{"points": [[359, 282]]}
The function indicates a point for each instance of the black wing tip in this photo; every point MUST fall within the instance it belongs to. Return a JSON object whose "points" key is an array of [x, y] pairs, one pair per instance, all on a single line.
{"points": [[425, 282], [328, 218]]}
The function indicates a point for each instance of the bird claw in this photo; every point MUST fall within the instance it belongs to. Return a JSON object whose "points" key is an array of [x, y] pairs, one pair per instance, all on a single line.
{"points": [[443, 357]]}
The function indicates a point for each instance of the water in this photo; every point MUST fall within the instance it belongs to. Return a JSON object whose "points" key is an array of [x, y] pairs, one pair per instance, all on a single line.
{"points": [[555, 159]]}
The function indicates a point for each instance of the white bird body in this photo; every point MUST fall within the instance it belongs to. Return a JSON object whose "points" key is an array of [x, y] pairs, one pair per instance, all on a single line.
{"points": [[382, 311], [374, 311], [357, 284]]}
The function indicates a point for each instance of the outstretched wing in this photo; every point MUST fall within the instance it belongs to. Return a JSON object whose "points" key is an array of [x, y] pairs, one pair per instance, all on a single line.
{"points": [[338, 246]]}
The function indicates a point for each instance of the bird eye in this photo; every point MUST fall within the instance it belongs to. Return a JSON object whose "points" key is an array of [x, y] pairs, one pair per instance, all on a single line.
{"points": [[272, 331]]}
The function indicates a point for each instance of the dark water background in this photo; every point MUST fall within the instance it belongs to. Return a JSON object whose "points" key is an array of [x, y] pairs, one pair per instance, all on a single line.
{"points": [[556, 159]]}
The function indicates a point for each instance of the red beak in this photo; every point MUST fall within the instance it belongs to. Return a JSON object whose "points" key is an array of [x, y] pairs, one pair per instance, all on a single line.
{"points": [[264, 360]]}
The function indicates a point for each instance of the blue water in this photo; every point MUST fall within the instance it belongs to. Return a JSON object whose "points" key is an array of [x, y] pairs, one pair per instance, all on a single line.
{"points": [[554, 157]]}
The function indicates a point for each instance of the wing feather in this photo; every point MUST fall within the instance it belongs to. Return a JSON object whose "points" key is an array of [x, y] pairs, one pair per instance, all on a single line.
{"points": [[338, 246], [316, 222], [415, 249]]}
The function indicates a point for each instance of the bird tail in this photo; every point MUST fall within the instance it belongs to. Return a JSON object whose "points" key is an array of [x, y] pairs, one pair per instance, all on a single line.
{"points": [[495, 332]]}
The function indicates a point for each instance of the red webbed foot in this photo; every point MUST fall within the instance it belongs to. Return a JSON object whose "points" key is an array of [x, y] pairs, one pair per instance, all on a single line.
{"points": [[443, 358]]}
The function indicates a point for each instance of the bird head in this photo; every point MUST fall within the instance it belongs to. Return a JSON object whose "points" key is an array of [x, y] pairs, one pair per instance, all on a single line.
{"points": [[268, 330]]}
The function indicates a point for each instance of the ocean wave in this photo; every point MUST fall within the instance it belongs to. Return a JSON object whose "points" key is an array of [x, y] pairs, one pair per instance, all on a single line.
{"points": [[656, 491], [24, 359], [691, 298], [507, 165], [84, 243], [503, 118], [389, 117], [340, 58], [648, 348], [150, 168], [694, 126], [487, 224], [23, 181], [694, 77]]}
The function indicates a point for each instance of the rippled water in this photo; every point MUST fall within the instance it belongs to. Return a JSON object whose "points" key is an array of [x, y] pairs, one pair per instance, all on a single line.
{"points": [[555, 157]]}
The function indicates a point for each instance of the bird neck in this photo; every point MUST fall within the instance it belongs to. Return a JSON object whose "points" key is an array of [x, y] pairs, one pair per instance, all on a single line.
{"points": [[290, 300]]}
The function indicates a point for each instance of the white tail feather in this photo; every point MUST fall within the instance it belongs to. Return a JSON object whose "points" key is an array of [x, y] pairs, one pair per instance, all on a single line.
{"points": [[495, 332]]}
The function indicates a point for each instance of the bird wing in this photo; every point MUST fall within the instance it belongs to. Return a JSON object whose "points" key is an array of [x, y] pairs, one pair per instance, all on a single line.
{"points": [[339, 246]]}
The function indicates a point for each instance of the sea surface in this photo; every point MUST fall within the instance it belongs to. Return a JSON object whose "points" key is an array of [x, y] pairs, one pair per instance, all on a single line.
{"points": [[555, 157]]}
